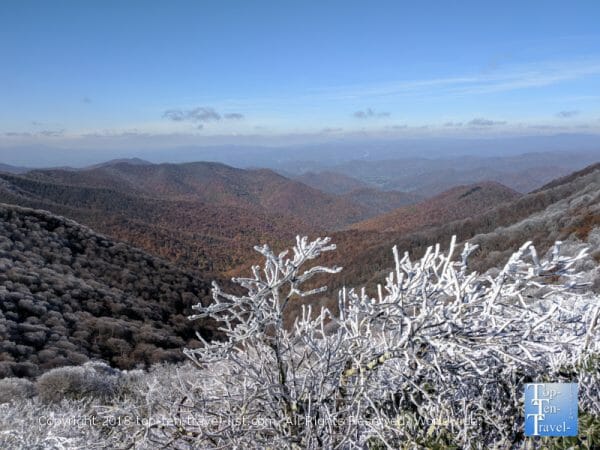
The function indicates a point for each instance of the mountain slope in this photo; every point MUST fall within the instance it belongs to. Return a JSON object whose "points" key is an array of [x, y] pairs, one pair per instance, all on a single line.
{"points": [[331, 182], [570, 177], [12, 169], [201, 236], [574, 216], [206, 216], [456, 203], [378, 202], [217, 184], [68, 294], [112, 162], [565, 210]]}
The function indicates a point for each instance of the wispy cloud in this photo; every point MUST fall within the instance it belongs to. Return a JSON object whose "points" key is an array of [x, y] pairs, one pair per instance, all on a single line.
{"points": [[199, 116], [17, 134], [52, 133], [370, 114], [234, 116], [481, 122], [508, 78], [35, 134], [86, 100], [383, 96], [567, 114]]}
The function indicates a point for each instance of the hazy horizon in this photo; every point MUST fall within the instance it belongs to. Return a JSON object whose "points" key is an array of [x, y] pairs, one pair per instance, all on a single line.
{"points": [[322, 154]]}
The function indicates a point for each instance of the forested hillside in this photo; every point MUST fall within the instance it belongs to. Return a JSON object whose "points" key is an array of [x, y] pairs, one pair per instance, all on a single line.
{"points": [[68, 294], [202, 215], [457, 203], [565, 209]]}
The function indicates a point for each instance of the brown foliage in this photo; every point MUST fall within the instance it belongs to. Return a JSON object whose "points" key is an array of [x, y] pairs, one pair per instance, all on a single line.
{"points": [[455, 204], [206, 216]]}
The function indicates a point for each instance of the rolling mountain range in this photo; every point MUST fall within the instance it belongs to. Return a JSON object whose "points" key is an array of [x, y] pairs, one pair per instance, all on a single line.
{"points": [[428, 177], [213, 183], [376, 201], [209, 238], [112, 162], [379, 202], [207, 216]]}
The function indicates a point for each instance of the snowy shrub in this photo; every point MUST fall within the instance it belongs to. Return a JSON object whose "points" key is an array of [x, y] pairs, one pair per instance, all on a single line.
{"points": [[16, 389], [439, 357], [34, 425], [92, 380]]}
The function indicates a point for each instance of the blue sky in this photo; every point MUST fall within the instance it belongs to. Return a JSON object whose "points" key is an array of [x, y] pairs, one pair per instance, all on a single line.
{"points": [[73, 72]]}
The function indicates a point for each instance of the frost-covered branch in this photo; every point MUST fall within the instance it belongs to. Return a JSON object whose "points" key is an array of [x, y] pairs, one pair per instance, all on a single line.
{"points": [[440, 353]]}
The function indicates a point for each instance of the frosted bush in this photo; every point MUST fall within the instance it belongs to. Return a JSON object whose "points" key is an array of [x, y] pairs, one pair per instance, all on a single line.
{"points": [[16, 389], [438, 356], [92, 380]]}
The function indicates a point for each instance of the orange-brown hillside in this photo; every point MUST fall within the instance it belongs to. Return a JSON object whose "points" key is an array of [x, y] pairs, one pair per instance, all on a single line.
{"points": [[457, 203], [216, 184], [331, 182], [206, 216]]}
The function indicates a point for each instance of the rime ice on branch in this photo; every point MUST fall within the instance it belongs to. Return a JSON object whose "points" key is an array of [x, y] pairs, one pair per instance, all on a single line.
{"points": [[439, 355]]}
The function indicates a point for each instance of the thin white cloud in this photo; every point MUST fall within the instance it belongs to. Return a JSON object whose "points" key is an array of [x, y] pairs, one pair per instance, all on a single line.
{"points": [[199, 115], [503, 79], [513, 78], [567, 114], [35, 134], [481, 122], [369, 113]]}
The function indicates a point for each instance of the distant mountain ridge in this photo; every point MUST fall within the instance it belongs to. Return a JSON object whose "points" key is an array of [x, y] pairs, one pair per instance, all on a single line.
{"points": [[431, 176], [12, 169], [314, 156], [379, 202], [112, 162], [375, 201], [215, 183]]}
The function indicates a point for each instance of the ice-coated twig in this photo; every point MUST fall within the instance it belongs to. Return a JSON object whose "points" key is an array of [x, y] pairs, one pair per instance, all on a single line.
{"points": [[439, 351]]}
